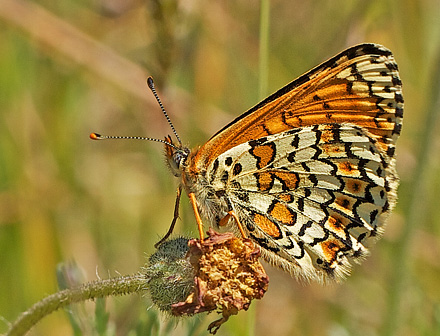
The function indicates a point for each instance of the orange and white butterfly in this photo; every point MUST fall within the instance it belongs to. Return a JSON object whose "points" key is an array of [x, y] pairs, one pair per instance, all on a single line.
{"points": [[308, 174]]}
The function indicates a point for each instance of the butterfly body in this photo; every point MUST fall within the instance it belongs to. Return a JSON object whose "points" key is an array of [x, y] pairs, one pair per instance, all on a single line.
{"points": [[309, 173]]}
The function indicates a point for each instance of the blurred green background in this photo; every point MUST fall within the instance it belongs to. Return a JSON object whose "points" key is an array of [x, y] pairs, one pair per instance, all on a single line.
{"points": [[68, 68]]}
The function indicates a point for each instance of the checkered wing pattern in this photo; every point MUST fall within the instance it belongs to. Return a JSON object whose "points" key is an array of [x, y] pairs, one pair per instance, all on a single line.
{"points": [[310, 171], [313, 198]]}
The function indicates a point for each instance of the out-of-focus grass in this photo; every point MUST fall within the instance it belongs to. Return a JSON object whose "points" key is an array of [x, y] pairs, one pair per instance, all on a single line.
{"points": [[69, 68]]}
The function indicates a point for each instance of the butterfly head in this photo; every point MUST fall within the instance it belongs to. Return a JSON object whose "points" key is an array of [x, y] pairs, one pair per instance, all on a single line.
{"points": [[176, 155]]}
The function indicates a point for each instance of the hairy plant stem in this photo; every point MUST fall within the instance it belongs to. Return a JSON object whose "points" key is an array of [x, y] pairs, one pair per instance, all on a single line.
{"points": [[92, 290]]}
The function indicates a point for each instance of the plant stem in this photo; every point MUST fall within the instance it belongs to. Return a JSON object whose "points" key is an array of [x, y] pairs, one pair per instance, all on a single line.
{"points": [[263, 74], [264, 47], [92, 290]]}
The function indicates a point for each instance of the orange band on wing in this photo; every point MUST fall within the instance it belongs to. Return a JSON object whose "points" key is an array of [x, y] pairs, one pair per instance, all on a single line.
{"points": [[267, 226]]}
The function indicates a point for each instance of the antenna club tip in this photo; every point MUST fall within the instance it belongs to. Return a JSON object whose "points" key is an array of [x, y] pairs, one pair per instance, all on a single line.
{"points": [[95, 136], [150, 82]]}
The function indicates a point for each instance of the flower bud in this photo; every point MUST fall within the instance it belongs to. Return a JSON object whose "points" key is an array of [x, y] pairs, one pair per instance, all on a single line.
{"points": [[171, 275]]}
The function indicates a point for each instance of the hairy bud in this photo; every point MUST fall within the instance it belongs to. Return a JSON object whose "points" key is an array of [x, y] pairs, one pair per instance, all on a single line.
{"points": [[171, 275]]}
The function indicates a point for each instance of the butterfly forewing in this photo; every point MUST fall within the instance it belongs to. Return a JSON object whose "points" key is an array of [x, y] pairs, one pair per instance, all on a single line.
{"points": [[361, 85]]}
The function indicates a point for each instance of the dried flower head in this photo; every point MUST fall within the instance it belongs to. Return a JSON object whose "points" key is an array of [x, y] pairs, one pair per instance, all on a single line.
{"points": [[228, 277], [222, 273]]}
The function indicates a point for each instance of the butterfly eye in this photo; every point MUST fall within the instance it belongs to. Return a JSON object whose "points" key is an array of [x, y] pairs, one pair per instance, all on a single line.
{"points": [[177, 160], [180, 156]]}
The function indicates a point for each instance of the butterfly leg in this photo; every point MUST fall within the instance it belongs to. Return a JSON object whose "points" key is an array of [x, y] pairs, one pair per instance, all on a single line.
{"points": [[192, 199], [232, 214], [176, 216]]}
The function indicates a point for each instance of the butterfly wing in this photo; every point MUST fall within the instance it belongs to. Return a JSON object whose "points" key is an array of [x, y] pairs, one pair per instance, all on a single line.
{"points": [[313, 197], [310, 171], [361, 85]]}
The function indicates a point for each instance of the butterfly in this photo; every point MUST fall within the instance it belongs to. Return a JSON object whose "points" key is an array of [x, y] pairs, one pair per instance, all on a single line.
{"points": [[308, 174]]}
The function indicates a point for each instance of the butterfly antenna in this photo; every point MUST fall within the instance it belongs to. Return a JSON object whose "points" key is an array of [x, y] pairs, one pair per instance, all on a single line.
{"points": [[96, 136], [150, 83]]}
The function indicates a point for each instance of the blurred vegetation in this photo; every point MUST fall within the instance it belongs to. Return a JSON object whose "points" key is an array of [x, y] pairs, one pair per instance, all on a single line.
{"points": [[68, 68]]}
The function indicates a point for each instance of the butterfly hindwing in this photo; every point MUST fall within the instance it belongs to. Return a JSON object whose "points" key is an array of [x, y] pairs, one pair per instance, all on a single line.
{"points": [[311, 197]]}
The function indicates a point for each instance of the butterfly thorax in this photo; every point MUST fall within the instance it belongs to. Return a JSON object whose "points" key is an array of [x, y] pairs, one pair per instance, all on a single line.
{"points": [[210, 201], [210, 198]]}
